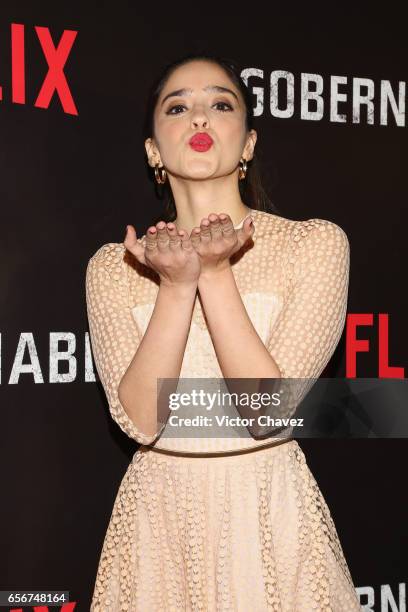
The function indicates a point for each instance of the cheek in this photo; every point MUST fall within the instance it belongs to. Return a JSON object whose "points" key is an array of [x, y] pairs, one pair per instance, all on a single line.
{"points": [[233, 135], [232, 126], [169, 133]]}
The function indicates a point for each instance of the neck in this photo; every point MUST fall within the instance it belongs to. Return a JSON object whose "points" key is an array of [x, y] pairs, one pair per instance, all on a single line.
{"points": [[195, 200]]}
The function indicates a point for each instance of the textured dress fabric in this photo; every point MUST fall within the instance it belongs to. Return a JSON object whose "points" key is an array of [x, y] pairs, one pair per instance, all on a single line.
{"points": [[246, 527]]}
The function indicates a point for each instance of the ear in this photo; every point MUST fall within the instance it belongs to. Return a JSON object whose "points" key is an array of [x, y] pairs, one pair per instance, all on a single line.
{"points": [[152, 152], [248, 152]]}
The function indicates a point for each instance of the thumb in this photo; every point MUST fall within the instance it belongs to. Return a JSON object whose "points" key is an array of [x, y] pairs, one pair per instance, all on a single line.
{"points": [[249, 226], [247, 229], [133, 244]]}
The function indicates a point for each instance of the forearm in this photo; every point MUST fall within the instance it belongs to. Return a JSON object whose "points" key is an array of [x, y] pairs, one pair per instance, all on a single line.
{"points": [[239, 349], [159, 355]]}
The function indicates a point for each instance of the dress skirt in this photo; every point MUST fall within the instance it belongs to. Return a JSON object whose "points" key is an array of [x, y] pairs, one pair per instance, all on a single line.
{"points": [[247, 531]]}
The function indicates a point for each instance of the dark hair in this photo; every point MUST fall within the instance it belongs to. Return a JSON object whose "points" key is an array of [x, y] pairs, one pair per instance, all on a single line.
{"points": [[251, 189]]}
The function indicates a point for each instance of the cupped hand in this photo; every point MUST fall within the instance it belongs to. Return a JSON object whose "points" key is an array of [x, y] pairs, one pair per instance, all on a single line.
{"points": [[216, 240], [167, 251]]}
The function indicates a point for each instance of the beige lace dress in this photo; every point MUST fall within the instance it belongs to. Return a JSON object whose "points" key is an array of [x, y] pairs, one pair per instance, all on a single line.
{"points": [[245, 528]]}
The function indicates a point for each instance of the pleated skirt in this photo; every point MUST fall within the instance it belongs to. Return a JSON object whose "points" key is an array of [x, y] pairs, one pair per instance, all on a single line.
{"points": [[246, 532]]}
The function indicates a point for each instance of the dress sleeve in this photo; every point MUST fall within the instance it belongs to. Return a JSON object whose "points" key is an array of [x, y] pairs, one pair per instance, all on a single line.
{"points": [[114, 334], [311, 322]]}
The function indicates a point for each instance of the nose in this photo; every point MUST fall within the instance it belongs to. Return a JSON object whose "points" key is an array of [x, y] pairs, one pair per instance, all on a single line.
{"points": [[199, 118]]}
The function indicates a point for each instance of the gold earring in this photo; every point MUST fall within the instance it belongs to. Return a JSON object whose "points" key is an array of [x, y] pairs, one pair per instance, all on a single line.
{"points": [[242, 168], [160, 179]]}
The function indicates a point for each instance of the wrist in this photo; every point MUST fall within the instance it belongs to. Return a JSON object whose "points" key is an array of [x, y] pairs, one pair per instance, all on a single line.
{"points": [[215, 274], [180, 290]]}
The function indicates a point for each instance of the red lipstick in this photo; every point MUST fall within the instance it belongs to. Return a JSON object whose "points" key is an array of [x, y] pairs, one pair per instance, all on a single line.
{"points": [[201, 141]]}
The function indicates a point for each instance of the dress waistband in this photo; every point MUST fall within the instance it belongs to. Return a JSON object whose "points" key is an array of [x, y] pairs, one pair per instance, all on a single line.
{"points": [[240, 451]]}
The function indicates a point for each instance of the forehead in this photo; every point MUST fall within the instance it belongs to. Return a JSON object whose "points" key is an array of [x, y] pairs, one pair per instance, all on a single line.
{"points": [[196, 75]]}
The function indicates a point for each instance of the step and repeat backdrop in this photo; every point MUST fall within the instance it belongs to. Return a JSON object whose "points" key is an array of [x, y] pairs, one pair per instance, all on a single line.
{"points": [[329, 96]]}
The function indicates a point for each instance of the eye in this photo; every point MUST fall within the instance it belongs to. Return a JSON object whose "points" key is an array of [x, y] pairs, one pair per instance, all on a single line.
{"points": [[168, 112], [223, 110], [225, 104]]}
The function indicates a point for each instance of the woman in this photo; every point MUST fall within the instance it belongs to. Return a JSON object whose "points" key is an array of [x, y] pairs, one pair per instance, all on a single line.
{"points": [[224, 289]]}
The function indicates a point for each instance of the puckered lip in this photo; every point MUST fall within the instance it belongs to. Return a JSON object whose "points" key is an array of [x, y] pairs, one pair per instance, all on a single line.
{"points": [[201, 138]]}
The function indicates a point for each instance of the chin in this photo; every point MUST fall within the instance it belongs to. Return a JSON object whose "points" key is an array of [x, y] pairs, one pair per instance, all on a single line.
{"points": [[204, 171]]}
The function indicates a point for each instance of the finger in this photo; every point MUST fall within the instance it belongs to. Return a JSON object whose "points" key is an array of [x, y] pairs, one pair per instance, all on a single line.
{"points": [[174, 238], [205, 231], [216, 230], [151, 238], [227, 226], [195, 237], [185, 241], [163, 239]]}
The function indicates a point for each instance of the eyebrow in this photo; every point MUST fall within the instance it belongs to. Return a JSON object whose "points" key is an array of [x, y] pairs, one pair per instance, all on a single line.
{"points": [[184, 92]]}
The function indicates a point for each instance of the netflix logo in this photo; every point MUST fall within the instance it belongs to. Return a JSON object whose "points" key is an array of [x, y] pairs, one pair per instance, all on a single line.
{"points": [[55, 81], [355, 345]]}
